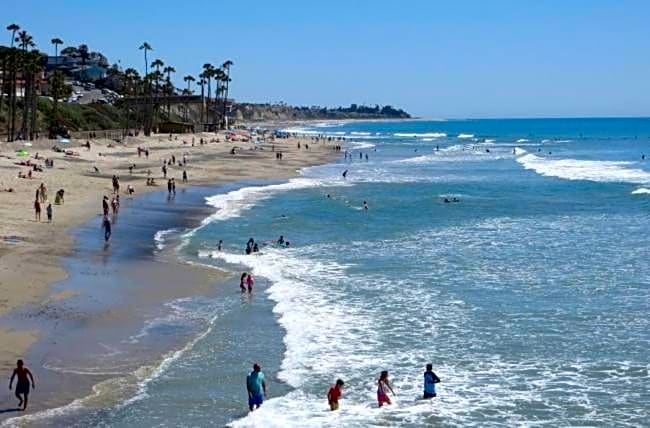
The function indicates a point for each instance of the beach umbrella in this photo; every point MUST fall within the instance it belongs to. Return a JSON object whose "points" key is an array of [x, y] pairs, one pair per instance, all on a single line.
{"points": [[64, 141], [22, 153]]}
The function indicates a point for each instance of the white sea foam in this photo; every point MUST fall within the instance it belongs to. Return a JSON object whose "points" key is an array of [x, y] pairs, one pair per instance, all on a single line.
{"points": [[522, 140], [232, 204], [161, 236], [358, 145], [490, 140], [574, 169], [425, 134], [465, 136], [641, 191], [359, 133]]}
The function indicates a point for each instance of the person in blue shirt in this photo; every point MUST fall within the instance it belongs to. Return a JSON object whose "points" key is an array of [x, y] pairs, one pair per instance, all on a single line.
{"points": [[256, 387], [430, 380]]}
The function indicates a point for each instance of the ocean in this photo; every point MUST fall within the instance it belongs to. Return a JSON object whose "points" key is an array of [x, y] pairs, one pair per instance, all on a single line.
{"points": [[510, 254]]}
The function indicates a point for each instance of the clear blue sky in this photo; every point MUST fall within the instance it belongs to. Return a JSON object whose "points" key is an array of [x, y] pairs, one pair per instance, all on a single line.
{"points": [[436, 59]]}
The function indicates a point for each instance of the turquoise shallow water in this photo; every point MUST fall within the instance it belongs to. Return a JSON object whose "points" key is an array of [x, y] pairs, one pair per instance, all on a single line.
{"points": [[530, 295]]}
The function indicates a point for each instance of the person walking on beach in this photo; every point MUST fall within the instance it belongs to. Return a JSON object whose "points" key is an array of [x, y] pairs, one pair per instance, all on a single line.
{"points": [[430, 380], [383, 386], [105, 205], [256, 387], [22, 386], [184, 176], [106, 225], [242, 282], [169, 186], [48, 210], [334, 394], [37, 210], [250, 282]]}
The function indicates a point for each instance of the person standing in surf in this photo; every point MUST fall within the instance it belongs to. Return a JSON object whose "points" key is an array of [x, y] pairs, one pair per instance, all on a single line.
{"points": [[22, 386], [250, 282], [242, 282], [334, 394], [430, 380], [383, 386], [256, 387]]}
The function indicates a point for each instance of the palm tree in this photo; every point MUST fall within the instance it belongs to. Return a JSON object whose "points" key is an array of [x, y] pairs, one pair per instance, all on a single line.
{"points": [[170, 88], [84, 54], [146, 47], [56, 42], [157, 64], [25, 41], [218, 78], [13, 28], [226, 66], [202, 81], [189, 79], [208, 71]]}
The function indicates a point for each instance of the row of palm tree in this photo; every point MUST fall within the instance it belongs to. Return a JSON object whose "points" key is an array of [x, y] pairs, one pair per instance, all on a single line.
{"points": [[209, 74], [22, 65]]}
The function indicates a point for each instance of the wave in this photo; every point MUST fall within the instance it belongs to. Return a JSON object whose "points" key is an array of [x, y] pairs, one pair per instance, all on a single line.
{"points": [[160, 237], [522, 140], [359, 133], [425, 134], [641, 191], [358, 145], [465, 136], [590, 170], [232, 204]]}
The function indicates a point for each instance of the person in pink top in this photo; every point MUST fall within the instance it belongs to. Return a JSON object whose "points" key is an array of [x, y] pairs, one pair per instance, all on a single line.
{"points": [[250, 282]]}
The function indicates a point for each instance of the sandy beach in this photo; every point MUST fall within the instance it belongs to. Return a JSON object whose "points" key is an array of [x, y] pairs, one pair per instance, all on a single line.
{"points": [[30, 251]]}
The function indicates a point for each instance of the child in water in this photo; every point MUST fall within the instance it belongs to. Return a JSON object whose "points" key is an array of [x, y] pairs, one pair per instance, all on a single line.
{"points": [[250, 282], [242, 282], [334, 394], [383, 386]]}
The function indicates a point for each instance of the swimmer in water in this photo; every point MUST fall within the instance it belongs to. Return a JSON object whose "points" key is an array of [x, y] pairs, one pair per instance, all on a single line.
{"points": [[242, 282], [345, 173], [365, 205]]}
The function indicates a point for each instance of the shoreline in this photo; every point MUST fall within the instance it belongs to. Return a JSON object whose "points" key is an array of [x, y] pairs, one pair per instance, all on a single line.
{"points": [[46, 246]]}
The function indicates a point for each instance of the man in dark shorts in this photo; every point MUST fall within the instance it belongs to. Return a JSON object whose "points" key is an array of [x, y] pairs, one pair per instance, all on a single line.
{"points": [[22, 386], [430, 380], [106, 225], [256, 387]]}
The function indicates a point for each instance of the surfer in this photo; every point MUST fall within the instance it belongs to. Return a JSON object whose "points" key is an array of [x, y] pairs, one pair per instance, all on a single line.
{"points": [[345, 173], [430, 380], [281, 240]]}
